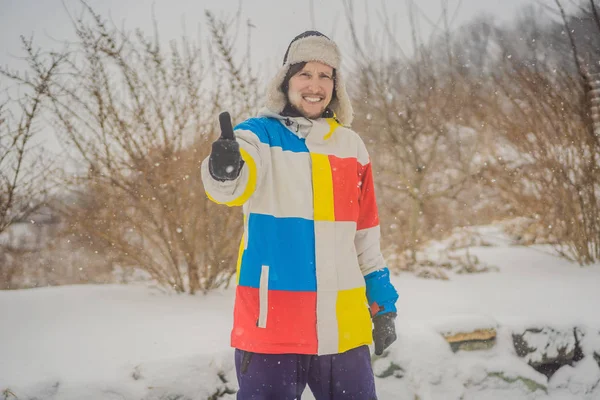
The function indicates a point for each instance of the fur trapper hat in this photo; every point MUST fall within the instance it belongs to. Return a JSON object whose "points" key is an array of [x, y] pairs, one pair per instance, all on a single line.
{"points": [[306, 47]]}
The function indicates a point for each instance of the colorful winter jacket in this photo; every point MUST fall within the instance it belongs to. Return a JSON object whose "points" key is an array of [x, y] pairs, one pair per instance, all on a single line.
{"points": [[310, 253]]}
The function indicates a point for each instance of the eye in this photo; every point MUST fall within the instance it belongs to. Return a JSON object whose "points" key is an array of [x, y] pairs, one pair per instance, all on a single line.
{"points": [[306, 74], [325, 76]]}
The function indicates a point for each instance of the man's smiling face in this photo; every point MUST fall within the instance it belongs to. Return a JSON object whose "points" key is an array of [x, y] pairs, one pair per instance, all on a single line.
{"points": [[311, 89]]}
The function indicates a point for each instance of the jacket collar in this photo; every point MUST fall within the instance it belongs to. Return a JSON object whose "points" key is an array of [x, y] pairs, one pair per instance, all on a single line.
{"points": [[299, 126], [320, 130]]}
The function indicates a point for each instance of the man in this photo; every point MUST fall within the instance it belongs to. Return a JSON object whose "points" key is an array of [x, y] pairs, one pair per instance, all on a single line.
{"points": [[310, 259]]}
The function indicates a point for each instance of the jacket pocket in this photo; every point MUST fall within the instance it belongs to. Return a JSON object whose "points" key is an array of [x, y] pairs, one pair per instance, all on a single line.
{"points": [[263, 297]]}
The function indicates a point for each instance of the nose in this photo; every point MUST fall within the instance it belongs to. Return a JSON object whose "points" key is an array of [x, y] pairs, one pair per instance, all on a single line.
{"points": [[314, 85]]}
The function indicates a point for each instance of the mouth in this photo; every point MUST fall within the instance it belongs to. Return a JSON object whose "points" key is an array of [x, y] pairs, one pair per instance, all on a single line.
{"points": [[312, 99]]}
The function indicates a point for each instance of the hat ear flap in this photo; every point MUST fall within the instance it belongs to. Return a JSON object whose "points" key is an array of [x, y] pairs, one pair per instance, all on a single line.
{"points": [[276, 99], [341, 105]]}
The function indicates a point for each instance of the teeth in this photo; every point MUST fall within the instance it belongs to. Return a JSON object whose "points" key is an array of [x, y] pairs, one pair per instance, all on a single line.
{"points": [[312, 99]]}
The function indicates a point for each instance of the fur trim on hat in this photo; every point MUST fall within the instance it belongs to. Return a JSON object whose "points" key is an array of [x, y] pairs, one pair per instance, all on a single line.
{"points": [[306, 49]]}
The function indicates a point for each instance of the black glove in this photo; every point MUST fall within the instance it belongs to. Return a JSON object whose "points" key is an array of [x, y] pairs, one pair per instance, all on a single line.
{"points": [[384, 331], [225, 162]]}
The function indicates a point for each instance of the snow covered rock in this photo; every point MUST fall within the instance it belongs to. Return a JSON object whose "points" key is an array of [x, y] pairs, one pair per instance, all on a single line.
{"points": [[383, 368], [590, 345], [468, 332], [548, 349], [480, 339], [579, 381], [194, 377]]}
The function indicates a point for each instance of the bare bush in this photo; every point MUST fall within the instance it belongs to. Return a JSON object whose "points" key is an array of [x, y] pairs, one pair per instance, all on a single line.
{"points": [[425, 151], [23, 168], [547, 152], [139, 119], [486, 123]]}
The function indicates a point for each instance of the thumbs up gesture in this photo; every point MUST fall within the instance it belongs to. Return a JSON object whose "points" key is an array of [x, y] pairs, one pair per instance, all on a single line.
{"points": [[225, 162]]}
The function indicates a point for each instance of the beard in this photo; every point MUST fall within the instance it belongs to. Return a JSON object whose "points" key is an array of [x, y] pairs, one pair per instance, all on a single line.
{"points": [[296, 102]]}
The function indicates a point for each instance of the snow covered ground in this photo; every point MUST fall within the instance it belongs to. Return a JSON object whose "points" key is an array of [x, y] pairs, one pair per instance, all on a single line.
{"points": [[138, 342]]}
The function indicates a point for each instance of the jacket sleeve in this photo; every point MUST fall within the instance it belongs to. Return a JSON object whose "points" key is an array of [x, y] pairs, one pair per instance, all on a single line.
{"points": [[381, 294], [239, 191]]}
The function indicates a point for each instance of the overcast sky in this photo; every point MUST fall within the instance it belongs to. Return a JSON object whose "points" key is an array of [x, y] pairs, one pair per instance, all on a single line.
{"points": [[275, 22]]}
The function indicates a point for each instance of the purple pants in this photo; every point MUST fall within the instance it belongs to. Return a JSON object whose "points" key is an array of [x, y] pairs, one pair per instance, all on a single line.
{"points": [[342, 376]]}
